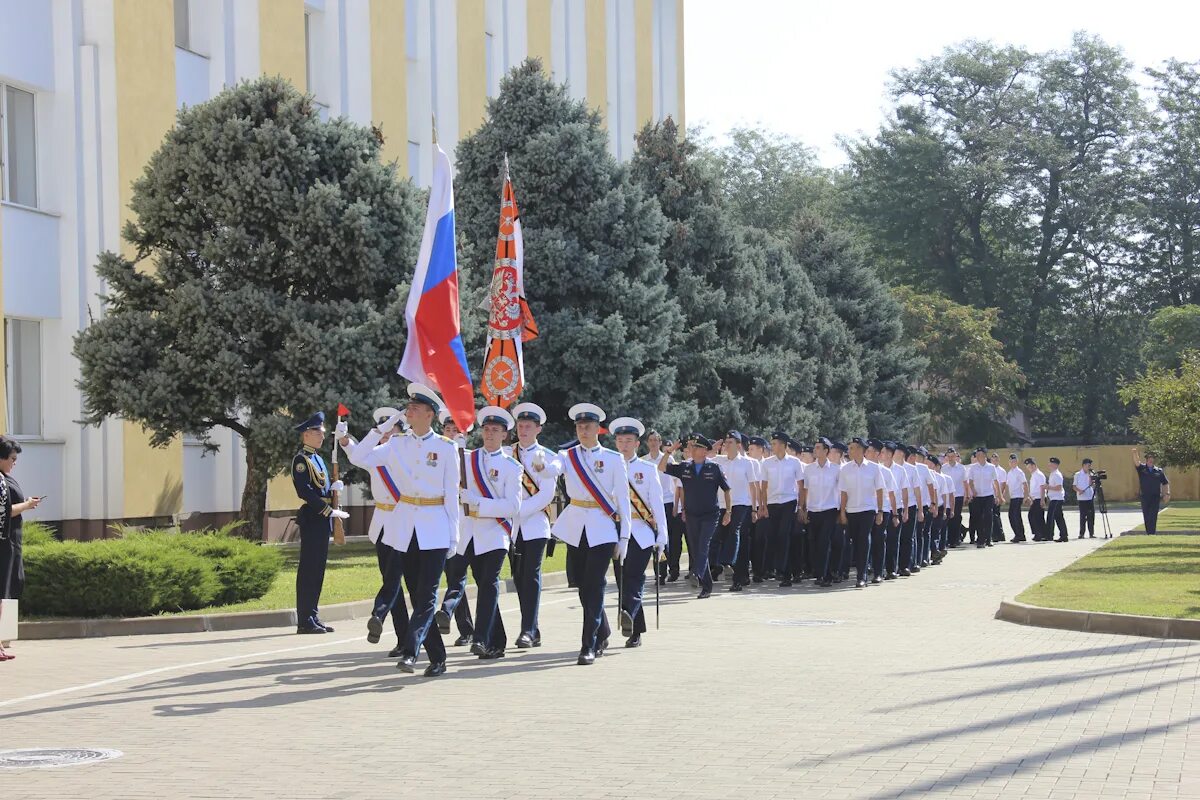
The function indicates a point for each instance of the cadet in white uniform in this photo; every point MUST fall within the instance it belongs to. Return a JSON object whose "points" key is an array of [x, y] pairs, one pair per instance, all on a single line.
{"points": [[1055, 495], [424, 526], [595, 521], [783, 474], [668, 569], [1017, 485], [741, 473], [492, 498], [982, 487], [1085, 492], [649, 527], [1033, 499], [539, 479], [861, 485], [387, 494], [456, 566], [958, 478], [819, 509]]}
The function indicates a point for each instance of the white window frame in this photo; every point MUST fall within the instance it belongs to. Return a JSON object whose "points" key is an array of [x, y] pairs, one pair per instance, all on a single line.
{"points": [[5, 193], [10, 384]]}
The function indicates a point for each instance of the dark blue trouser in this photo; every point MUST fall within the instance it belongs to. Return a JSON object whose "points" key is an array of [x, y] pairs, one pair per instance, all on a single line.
{"points": [[1150, 512], [905, 559], [315, 531], [670, 567], [858, 534], [399, 612], [981, 510], [421, 570], [781, 517], [891, 552], [1037, 520], [820, 530], [921, 539], [837, 549], [957, 532], [727, 542], [879, 539], [528, 578], [456, 591], [591, 570], [700, 530], [633, 583], [1054, 517], [485, 569], [1015, 519]]}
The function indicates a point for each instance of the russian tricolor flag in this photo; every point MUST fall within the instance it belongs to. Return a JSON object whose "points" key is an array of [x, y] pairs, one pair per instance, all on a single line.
{"points": [[434, 351]]}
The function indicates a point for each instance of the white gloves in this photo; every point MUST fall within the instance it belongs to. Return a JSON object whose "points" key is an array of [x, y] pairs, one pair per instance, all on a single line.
{"points": [[341, 430], [337, 486], [337, 513], [389, 423], [623, 548]]}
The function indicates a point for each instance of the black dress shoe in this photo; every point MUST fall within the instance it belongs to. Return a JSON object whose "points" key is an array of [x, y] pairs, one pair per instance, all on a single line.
{"points": [[537, 640], [477, 649], [524, 641], [785, 582], [891, 576], [735, 587], [396, 652], [626, 623], [694, 580], [491, 653], [904, 573], [860, 584], [703, 594], [673, 578], [328, 628], [662, 580], [876, 579], [374, 629], [311, 629], [460, 641], [586, 658], [435, 669], [407, 663], [634, 641], [442, 620], [600, 648], [914, 569]]}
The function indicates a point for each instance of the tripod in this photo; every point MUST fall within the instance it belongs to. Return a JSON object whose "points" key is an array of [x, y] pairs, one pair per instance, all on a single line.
{"points": [[1102, 508]]}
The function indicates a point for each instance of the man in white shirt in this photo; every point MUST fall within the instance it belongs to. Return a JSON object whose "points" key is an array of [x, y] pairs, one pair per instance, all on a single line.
{"points": [[839, 551], [783, 473], [1017, 486], [1055, 494], [819, 508], [910, 509], [752, 550], [927, 494], [1001, 476], [742, 476], [861, 486], [954, 469], [937, 536], [668, 570], [880, 453], [799, 558], [1086, 493], [982, 488], [1034, 501]]}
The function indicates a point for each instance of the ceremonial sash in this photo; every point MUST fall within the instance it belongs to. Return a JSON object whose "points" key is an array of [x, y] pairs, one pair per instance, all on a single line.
{"points": [[589, 483], [640, 508], [531, 488], [481, 482], [388, 482]]}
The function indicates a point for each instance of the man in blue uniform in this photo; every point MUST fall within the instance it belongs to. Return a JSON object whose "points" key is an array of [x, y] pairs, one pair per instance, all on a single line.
{"points": [[1153, 489], [315, 518], [701, 479]]}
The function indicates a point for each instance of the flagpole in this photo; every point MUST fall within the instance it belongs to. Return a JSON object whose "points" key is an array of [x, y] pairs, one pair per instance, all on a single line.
{"points": [[433, 118]]}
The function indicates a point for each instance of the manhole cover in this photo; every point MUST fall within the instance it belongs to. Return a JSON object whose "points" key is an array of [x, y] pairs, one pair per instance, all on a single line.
{"points": [[49, 757], [803, 623]]}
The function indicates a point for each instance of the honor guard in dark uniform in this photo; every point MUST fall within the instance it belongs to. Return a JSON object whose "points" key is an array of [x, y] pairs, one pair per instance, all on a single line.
{"points": [[1154, 490], [456, 565], [424, 526], [595, 522], [701, 480], [315, 518]]}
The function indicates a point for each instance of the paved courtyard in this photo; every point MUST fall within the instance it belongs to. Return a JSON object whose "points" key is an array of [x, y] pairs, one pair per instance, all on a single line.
{"points": [[913, 690]]}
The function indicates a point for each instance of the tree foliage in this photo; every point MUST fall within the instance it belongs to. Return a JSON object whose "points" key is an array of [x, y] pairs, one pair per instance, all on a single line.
{"points": [[272, 253], [1168, 410]]}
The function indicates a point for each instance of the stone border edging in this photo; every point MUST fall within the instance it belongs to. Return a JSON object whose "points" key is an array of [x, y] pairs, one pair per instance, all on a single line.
{"points": [[232, 621], [1098, 621]]}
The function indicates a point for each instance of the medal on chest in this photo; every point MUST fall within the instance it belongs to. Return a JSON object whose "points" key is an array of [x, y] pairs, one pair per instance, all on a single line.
{"points": [[599, 467], [431, 459]]}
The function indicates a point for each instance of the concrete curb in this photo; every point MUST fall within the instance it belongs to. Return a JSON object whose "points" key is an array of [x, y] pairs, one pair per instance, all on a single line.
{"points": [[235, 621], [1098, 621]]}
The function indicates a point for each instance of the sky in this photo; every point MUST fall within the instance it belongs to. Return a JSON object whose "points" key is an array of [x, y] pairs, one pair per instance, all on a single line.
{"points": [[814, 70]]}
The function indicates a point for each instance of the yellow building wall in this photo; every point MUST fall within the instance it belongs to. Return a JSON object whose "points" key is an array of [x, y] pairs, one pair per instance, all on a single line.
{"points": [[537, 31], [389, 88], [281, 40], [679, 60], [144, 55], [643, 55], [472, 65], [596, 30]]}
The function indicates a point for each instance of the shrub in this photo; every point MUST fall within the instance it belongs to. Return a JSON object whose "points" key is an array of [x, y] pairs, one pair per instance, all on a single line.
{"points": [[36, 533], [145, 572]]}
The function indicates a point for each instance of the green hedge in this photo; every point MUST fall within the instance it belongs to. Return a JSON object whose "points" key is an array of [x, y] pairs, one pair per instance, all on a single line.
{"points": [[145, 572], [36, 533]]}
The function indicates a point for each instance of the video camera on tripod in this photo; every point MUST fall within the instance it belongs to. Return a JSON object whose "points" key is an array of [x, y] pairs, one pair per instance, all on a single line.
{"points": [[1098, 476]]}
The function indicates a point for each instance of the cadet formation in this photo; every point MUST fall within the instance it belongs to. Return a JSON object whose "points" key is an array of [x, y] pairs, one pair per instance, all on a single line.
{"points": [[749, 510]]}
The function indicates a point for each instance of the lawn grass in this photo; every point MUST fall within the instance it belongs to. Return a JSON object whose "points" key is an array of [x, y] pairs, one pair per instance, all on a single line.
{"points": [[1183, 515], [1151, 575], [352, 573]]}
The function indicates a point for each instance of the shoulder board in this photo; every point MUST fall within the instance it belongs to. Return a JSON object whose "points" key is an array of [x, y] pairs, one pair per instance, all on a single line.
{"points": [[444, 438], [512, 460]]}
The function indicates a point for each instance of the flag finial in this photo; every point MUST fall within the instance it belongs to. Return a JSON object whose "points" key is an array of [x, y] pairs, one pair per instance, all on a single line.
{"points": [[433, 118]]}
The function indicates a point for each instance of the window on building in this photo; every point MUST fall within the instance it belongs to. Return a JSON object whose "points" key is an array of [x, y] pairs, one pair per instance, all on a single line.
{"points": [[18, 146], [23, 372], [411, 34], [183, 28], [308, 53]]}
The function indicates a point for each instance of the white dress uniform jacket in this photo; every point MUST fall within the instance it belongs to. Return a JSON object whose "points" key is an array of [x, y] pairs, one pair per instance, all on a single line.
{"points": [[425, 468], [607, 469], [385, 498], [502, 477], [533, 523], [643, 478]]}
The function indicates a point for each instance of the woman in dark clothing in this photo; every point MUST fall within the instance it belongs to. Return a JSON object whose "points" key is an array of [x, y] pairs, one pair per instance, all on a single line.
{"points": [[13, 505]]}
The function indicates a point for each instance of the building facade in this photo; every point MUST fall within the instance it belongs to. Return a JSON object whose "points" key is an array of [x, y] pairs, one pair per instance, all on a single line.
{"points": [[89, 87]]}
